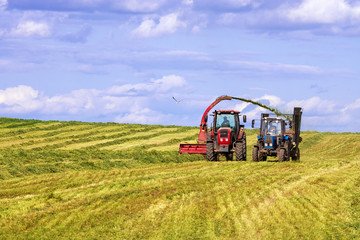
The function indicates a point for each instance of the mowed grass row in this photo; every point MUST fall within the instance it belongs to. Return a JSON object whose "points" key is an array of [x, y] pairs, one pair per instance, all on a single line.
{"points": [[75, 135], [92, 180], [84, 146], [224, 200]]}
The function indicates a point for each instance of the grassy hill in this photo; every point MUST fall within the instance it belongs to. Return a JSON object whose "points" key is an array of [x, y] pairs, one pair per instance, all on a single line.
{"points": [[74, 180]]}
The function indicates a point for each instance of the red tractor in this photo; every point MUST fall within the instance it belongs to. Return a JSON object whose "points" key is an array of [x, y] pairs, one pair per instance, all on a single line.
{"points": [[225, 137]]}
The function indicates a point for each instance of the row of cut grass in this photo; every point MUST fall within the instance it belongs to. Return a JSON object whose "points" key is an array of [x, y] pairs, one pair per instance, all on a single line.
{"points": [[305, 200]]}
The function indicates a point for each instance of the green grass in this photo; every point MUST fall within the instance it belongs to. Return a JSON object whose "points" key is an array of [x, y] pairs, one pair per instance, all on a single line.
{"points": [[67, 180]]}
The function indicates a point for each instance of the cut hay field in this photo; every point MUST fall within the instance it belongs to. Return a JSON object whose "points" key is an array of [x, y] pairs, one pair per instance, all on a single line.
{"points": [[75, 180]]}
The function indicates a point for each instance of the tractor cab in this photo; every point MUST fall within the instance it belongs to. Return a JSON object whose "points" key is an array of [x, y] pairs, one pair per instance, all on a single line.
{"points": [[226, 125], [272, 132], [273, 126], [226, 119]]}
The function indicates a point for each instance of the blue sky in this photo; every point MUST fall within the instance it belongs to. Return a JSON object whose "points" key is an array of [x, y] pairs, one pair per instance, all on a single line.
{"points": [[122, 61]]}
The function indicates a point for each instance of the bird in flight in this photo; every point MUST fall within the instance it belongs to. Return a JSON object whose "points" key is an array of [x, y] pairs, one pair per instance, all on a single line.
{"points": [[177, 101]]}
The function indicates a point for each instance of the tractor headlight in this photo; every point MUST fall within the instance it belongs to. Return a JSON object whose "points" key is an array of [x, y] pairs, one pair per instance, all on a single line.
{"points": [[266, 144]]}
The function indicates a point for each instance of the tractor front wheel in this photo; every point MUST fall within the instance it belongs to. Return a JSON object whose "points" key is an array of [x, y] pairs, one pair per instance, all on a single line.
{"points": [[240, 151], [281, 155], [210, 153], [262, 156]]}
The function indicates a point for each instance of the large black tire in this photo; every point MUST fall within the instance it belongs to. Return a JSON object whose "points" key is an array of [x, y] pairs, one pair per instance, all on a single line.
{"points": [[281, 155], [296, 156], [262, 157], [255, 154], [244, 147], [287, 152], [239, 151], [210, 153]]}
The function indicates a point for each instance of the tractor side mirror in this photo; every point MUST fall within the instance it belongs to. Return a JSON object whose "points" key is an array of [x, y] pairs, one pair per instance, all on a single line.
{"points": [[253, 123], [244, 118], [206, 118]]}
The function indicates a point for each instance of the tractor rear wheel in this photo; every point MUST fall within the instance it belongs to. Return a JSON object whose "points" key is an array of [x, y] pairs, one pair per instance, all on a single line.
{"points": [[255, 154], [244, 147], [210, 153], [239, 151], [281, 155]]}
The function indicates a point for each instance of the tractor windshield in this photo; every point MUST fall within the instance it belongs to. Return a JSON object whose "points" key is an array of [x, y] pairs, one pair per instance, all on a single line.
{"points": [[225, 120], [273, 127]]}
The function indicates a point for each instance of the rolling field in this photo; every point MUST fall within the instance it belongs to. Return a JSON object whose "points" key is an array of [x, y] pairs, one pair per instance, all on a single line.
{"points": [[75, 180]]}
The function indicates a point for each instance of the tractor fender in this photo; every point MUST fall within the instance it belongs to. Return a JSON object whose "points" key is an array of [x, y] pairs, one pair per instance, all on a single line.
{"points": [[241, 134]]}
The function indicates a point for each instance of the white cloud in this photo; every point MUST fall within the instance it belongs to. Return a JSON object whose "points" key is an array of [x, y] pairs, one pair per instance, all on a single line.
{"points": [[239, 3], [135, 6], [254, 113], [161, 85], [167, 24], [143, 116], [166, 83], [140, 5], [318, 114], [31, 28], [273, 100], [315, 106], [3, 4], [267, 66], [77, 101], [133, 107], [324, 11], [19, 94], [296, 19], [188, 2], [352, 106], [19, 99], [152, 106]]}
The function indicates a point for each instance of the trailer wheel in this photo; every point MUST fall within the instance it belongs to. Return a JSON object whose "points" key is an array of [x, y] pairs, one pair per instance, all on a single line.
{"points": [[281, 155], [239, 151], [287, 152], [255, 154], [210, 153], [296, 156]]}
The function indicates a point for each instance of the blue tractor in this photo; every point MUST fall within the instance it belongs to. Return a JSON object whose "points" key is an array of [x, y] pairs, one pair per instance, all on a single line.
{"points": [[279, 136]]}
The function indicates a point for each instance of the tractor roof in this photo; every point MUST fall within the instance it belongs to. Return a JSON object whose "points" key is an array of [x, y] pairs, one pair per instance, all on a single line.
{"points": [[274, 118], [226, 111]]}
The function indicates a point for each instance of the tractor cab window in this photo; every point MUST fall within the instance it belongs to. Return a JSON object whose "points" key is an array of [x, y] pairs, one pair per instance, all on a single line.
{"points": [[225, 120], [273, 127]]}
